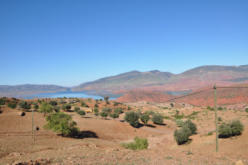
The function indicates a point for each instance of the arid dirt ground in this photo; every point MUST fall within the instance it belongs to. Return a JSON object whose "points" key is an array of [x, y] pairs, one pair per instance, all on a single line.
{"points": [[103, 138]]}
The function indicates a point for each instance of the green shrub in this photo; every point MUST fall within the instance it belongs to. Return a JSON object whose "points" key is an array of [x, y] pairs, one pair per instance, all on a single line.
{"points": [[225, 131], [12, 105], [118, 110], [220, 108], [246, 110], [66, 107], [104, 114], [46, 108], [179, 123], [56, 108], [81, 112], [182, 135], [132, 118], [114, 115], [138, 144], [145, 118], [61, 123], [96, 106], [107, 110], [76, 109], [191, 126], [83, 104], [157, 119], [25, 105], [237, 127], [150, 113], [96, 111], [3, 100], [53, 103], [232, 128]]}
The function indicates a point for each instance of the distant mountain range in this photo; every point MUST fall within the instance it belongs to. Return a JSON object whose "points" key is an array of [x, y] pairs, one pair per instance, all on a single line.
{"points": [[29, 89], [167, 82], [155, 81]]}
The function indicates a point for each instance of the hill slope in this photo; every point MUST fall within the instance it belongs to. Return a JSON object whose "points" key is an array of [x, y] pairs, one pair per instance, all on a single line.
{"points": [[163, 81]]}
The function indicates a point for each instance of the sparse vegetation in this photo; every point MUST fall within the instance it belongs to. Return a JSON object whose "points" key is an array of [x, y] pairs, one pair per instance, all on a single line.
{"points": [[2, 101], [132, 118], [46, 108], [182, 135], [104, 114], [157, 119], [145, 118], [96, 111], [66, 107], [25, 105], [118, 111], [61, 123], [76, 109], [12, 105], [232, 128], [81, 112], [246, 110], [114, 115], [138, 144]]}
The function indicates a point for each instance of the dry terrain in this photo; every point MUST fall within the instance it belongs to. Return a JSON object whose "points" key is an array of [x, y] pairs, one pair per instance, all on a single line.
{"points": [[103, 138]]}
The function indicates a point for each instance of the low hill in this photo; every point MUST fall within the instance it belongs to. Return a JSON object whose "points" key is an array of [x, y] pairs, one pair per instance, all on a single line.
{"points": [[164, 81], [142, 95], [28, 89]]}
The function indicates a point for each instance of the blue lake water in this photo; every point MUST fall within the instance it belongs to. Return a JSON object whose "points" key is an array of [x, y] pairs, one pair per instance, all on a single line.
{"points": [[65, 94]]}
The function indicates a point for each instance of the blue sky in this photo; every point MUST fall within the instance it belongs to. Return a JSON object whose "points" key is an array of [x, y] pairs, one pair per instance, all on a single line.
{"points": [[68, 42]]}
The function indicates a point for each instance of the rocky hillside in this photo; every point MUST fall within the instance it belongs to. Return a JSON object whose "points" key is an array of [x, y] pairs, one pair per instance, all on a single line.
{"points": [[163, 81]]}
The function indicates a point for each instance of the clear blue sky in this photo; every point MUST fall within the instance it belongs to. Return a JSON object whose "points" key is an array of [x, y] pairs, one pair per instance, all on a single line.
{"points": [[68, 42]]}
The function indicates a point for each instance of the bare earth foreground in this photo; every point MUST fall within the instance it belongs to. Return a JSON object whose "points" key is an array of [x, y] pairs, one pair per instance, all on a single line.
{"points": [[103, 138]]}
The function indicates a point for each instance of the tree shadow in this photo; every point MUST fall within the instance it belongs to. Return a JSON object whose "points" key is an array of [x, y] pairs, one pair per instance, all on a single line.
{"points": [[161, 124], [149, 125], [84, 134], [86, 117]]}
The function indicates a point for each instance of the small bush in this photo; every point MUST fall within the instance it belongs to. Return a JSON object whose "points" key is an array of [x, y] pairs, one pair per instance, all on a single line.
{"points": [[66, 107], [182, 135], [46, 108], [145, 118], [82, 112], [191, 126], [53, 103], [76, 109], [179, 123], [118, 110], [96, 111], [150, 113], [107, 110], [25, 105], [114, 115], [2, 101], [12, 105], [225, 131], [157, 119], [246, 110], [61, 123], [138, 144], [104, 114], [132, 118], [83, 104], [237, 127], [233, 128], [56, 108]]}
